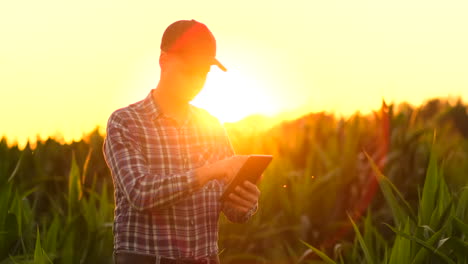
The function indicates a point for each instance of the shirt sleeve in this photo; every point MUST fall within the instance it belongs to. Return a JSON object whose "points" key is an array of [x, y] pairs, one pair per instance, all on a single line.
{"points": [[143, 190], [230, 212]]}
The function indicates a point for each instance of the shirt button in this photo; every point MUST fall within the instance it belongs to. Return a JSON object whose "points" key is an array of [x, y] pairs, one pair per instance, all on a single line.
{"points": [[192, 222]]}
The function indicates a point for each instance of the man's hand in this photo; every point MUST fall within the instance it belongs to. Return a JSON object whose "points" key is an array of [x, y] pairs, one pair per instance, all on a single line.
{"points": [[224, 169], [234, 165], [244, 197]]}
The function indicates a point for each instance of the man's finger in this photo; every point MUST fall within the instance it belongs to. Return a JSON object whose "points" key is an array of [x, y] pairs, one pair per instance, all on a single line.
{"points": [[240, 201], [246, 195], [252, 188], [241, 208]]}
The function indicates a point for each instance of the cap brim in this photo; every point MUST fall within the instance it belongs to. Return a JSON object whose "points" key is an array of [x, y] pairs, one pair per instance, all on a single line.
{"points": [[221, 66]]}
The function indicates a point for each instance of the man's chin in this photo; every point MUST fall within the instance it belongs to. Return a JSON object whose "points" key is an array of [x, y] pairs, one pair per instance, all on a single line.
{"points": [[191, 98], [184, 100]]}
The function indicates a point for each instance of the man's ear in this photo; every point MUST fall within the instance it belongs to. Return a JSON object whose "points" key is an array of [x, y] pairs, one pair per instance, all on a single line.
{"points": [[163, 59]]}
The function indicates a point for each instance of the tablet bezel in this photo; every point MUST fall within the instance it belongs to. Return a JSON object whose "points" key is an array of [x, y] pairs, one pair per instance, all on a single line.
{"points": [[251, 170]]}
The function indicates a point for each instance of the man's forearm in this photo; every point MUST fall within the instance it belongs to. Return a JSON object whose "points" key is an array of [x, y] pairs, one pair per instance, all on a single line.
{"points": [[203, 175]]}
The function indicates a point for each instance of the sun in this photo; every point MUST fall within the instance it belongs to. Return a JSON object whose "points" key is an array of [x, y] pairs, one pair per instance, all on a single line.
{"points": [[233, 95]]}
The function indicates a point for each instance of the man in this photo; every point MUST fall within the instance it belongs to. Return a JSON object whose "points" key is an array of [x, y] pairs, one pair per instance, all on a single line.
{"points": [[170, 162]]}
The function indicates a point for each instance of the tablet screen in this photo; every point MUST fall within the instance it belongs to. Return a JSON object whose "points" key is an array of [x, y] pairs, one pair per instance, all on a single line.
{"points": [[250, 171]]}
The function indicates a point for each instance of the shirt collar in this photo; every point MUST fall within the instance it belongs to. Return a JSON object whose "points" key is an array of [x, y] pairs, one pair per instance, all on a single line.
{"points": [[150, 106], [154, 110]]}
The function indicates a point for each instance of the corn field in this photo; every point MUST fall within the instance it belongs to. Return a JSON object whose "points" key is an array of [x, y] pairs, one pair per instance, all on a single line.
{"points": [[388, 187]]}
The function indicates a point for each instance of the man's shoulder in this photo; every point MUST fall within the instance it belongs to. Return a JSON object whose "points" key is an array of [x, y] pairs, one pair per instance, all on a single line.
{"points": [[204, 116], [129, 112]]}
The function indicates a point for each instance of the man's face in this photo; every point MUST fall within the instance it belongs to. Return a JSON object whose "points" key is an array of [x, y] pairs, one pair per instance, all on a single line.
{"points": [[186, 76]]}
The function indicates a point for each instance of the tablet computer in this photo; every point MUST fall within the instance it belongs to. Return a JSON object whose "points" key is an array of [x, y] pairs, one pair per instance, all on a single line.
{"points": [[250, 171]]}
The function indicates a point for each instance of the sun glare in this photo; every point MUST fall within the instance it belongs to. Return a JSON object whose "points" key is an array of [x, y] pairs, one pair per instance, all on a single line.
{"points": [[233, 95]]}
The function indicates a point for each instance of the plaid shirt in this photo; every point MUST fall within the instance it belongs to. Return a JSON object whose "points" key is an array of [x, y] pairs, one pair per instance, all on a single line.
{"points": [[159, 207]]}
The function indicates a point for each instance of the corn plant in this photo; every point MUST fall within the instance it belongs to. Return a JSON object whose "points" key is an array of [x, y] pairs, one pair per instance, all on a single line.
{"points": [[437, 234]]}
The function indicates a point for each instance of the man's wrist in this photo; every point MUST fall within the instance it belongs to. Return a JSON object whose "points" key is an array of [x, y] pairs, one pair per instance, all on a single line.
{"points": [[203, 175], [250, 213], [254, 209]]}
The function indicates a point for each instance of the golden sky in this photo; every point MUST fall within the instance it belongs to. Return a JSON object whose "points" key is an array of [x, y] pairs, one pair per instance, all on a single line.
{"points": [[66, 65]]}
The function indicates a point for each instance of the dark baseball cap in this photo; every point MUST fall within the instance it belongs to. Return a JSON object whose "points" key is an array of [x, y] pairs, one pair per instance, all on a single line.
{"points": [[191, 38]]}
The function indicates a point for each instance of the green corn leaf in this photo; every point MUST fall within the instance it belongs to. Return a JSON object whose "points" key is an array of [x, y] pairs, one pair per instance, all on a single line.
{"points": [[322, 255], [290, 252], [459, 247], [461, 226], [74, 188], [106, 207], [439, 217], [40, 256], [386, 256], [68, 246], [443, 206], [6, 193], [367, 254], [422, 243], [422, 253], [16, 210], [442, 242], [52, 234], [429, 192], [38, 249], [8, 234], [461, 210], [369, 231], [15, 171], [13, 260], [400, 213], [401, 251], [85, 166]]}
